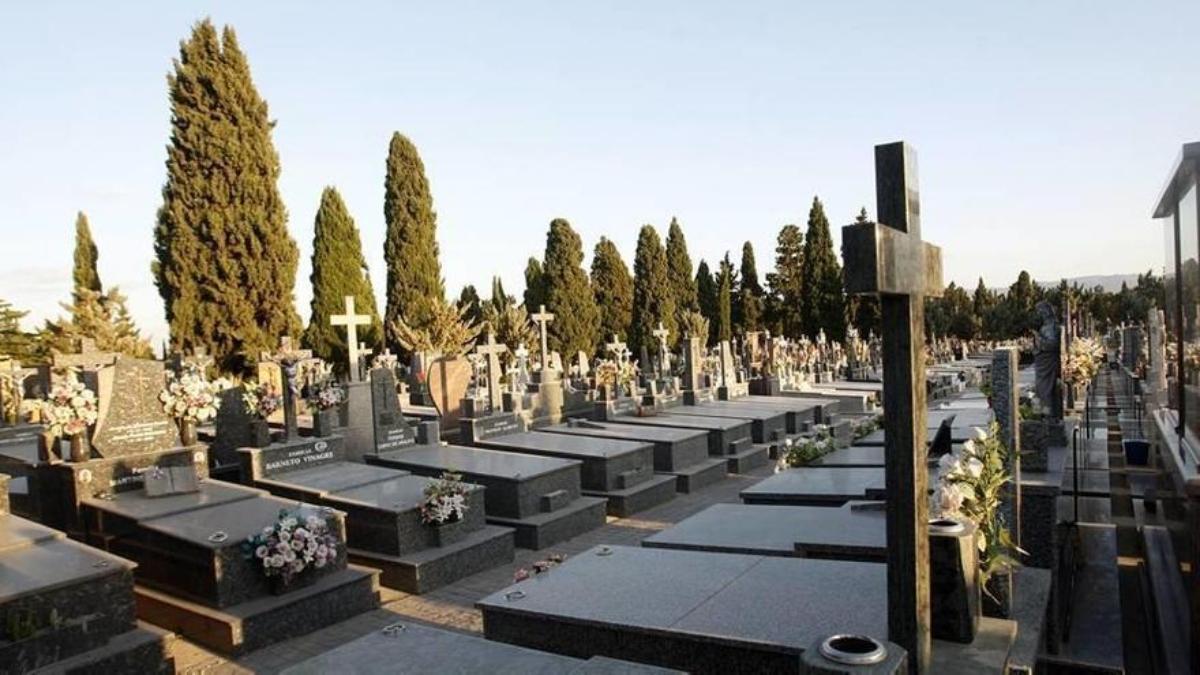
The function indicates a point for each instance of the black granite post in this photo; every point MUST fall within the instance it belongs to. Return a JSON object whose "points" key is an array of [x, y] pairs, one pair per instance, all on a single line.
{"points": [[1006, 408], [890, 260]]}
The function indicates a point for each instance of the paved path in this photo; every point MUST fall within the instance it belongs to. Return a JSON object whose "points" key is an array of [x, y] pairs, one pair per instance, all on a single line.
{"points": [[453, 606]]}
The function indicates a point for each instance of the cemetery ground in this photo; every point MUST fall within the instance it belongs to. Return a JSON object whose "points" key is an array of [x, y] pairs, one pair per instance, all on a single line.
{"points": [[453, 606]]}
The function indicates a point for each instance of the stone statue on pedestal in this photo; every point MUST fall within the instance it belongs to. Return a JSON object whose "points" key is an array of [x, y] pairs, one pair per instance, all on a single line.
{"points": [[1047, 360]]}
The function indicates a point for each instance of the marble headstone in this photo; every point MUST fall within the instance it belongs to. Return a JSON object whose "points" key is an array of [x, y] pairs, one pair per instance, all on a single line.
{"points": [[131, 419]]}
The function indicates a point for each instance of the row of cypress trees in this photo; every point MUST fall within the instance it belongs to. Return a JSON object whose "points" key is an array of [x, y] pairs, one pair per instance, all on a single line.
{"points": [[225, 264], [802, 296]]}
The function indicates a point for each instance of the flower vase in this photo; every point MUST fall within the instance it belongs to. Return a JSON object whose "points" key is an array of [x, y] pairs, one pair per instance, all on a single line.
{"points": [[446, 534], [998, 594], [81, 448], [280, 587], [260, 434], [324, 422], [187, 432]]}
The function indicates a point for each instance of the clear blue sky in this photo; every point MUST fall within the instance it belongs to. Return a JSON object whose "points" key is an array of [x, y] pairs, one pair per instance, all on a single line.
{"points": [[1044, 130]]}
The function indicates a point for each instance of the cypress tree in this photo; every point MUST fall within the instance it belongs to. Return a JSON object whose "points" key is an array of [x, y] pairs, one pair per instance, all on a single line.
{"points": [[824, 297], [653, 300], [679, 272], [225, 264], [568, 294], [787, 281], [706, 297], [85, 274], [102, 317], [469, 298], [410, 249], [338, 269], [749, 307], [613, 289], [535, 285], [725, 282], [15, 342]]}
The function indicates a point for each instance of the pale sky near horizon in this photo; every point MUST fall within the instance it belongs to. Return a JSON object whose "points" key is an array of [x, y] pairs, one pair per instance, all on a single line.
{"points": [[1044, 130]]}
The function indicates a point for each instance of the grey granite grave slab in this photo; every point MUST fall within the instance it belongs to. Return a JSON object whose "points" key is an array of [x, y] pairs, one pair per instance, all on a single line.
{"points": [[816, 485], [679, 452], [620, 471], [540, 497], [800, 414], [330, 478], [860, 456], [699, 612], [129, 508], [412, 649], [844, 532], [727, 437], [767, 425]]}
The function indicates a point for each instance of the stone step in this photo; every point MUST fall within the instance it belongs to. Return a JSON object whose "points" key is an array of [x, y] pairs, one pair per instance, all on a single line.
{"points": [[145, 650], [625, 502], [429, 569], [266, 620], [701, 474], [542, 530], [747, 458]]}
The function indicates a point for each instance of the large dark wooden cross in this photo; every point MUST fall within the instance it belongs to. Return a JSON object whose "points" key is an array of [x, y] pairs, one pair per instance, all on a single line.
{"points": [[889, 260]]}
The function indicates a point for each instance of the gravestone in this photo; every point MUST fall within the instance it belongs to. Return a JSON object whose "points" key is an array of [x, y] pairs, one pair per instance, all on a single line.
{"points": [[392, 431], [890, 260], [448, 381], [233, 430], [543, 318], [130, 418], [664, 352], [1006, 407], [359, 421]]}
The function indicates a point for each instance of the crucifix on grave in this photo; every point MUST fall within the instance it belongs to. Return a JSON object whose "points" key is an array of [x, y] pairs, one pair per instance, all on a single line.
{"points": [[491, 350], [617, 348], [88, 357], [290, 359], [664, 354], [354, 348], [543, 318], [889, 260]]}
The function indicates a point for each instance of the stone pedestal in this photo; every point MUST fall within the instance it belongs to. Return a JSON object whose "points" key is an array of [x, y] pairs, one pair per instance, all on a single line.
{"points": [[765, 386], [953, 581], [359, 421]]}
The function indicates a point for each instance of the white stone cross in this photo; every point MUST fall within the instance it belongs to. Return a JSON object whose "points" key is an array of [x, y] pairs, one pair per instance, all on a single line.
{"points": [[492, 351], [664, 354], [352, 321], [543, 318], [616, 347]]}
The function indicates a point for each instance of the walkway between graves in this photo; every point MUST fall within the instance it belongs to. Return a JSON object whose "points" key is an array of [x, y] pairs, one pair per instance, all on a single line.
{"points": [[453, 606]]}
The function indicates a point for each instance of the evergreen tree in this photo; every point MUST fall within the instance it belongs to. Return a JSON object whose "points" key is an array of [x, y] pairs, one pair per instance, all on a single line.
{"points": [[469, 298], [499, 298], [1018, 306], [410, 249], [338, 270], [749, 307], [725, 282], [679, 273], [706, 297], [103, 317], [653, 299], [568, 294], [787, 281], [508, 321], [225, 265], [14, 342], [613, 289], [535, 285], [85, 275], [824, 297]]}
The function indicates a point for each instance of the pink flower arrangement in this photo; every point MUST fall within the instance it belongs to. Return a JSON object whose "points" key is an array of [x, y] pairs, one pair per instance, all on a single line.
{"points": [[295, 543], [70, 409]]}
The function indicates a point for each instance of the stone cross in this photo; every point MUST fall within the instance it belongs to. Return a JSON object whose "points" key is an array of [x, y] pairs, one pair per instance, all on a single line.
{"points": [[664, 354], [616, 347], [88, 356], [888, 259], [353, 347], [492, 351], [543, 318], [289, 359]]}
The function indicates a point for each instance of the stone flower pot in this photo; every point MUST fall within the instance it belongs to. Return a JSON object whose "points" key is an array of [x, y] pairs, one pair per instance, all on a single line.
{"points": [[260, 434], [187, 432], [81, 448], [325, 421], [998, 595], [446, 534]]}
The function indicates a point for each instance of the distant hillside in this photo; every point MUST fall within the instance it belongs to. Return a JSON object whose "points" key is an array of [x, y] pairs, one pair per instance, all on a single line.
{"points": [[1110, 282]]}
